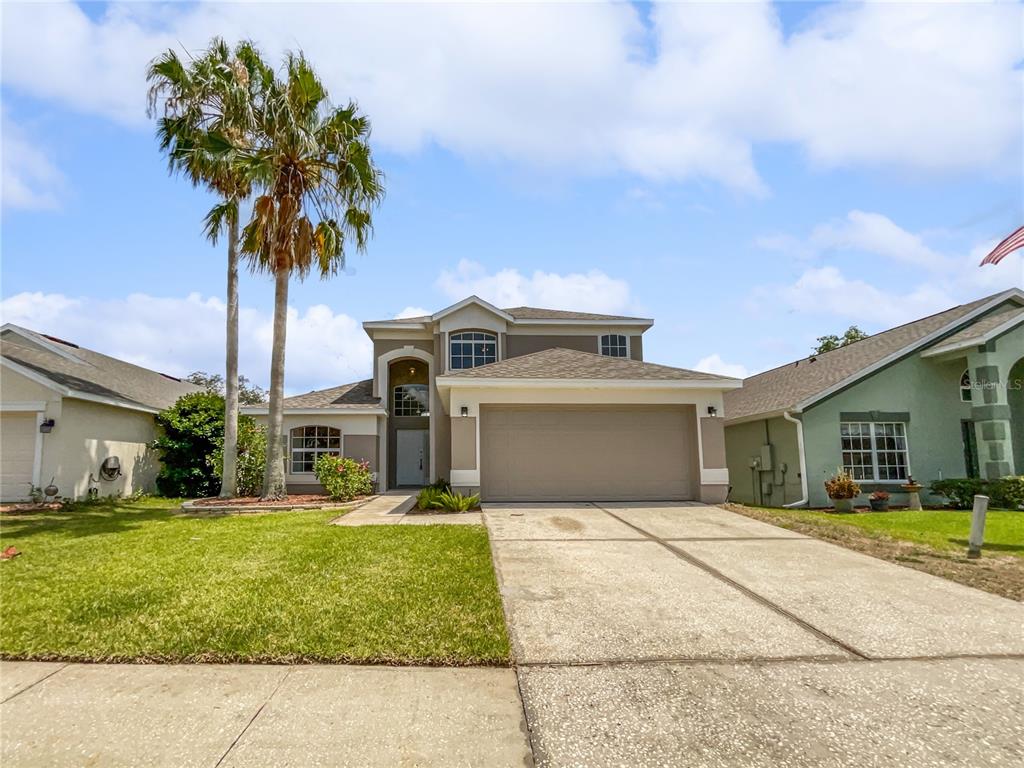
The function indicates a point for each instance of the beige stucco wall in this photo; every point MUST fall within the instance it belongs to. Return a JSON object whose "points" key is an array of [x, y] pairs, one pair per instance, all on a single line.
{"points": [[87, 433], [472, 318], [712, 435], [463, 442]]}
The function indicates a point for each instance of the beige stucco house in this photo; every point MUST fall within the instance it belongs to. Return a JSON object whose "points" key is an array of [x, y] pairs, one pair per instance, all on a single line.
{"points": [[520, 404], [65, 411]]}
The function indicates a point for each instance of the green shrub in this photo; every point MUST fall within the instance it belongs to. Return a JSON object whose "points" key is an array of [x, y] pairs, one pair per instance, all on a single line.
{"points": [[959, 490], [344, 479], [189, 434], [1007, 492], [455, 502], [428, 497], [252, 454]]}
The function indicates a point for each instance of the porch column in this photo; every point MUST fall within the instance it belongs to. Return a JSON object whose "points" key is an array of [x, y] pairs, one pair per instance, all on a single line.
{"points": [[991, 415]]}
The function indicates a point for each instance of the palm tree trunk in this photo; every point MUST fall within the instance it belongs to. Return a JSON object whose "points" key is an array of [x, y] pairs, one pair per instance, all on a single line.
{"points": [[229, 476], [273, 477]]}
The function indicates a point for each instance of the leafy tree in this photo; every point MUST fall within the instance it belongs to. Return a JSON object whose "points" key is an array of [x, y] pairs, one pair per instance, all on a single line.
{"points": [[214, 95], [191, 431], [318, 186], [830, 342], [248, 393], [252, 457]]}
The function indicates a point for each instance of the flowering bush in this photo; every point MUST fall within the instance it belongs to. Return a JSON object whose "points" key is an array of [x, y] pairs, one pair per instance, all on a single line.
{"points": [[879, 496], [344, 479]]}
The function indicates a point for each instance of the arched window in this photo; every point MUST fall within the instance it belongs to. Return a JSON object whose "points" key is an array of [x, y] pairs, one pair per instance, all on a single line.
{"points": [[308, 443], [410, 399], [614, 345], [468, 349], [965, 386]]}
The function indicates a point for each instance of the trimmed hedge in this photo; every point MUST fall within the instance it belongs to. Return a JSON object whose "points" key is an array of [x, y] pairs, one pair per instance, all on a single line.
{"points": [[1006, 492]]}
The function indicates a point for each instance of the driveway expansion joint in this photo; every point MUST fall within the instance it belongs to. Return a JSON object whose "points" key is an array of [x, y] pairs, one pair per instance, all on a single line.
{"points": [[712, 571], [42, 679], [252, 719]]}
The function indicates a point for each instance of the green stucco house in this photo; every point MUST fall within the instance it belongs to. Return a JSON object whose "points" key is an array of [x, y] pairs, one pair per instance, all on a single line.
{"points": [[940, 397]]}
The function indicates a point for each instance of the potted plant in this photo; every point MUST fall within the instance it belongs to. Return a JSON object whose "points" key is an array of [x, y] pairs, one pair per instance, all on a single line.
{"points": [[842, 490], [879, 501]]}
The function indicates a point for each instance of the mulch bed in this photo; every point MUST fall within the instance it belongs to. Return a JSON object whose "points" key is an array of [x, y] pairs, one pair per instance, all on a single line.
{"points": [[255, 501], [999, 574]]}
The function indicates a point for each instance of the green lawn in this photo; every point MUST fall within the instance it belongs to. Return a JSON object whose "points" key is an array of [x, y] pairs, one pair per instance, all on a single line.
{"points": [[942, 529], [133, 580]]}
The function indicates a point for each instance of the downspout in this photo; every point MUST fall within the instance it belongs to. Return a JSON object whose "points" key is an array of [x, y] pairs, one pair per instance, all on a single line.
{"points": [[803, 461]]}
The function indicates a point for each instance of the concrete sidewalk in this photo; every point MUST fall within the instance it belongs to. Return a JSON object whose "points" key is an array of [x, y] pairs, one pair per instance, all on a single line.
{"points": [[396, 508], [246, 715]]}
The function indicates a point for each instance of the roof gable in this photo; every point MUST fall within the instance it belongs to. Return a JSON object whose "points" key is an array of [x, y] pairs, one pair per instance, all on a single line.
{"points": [[800, 384]]}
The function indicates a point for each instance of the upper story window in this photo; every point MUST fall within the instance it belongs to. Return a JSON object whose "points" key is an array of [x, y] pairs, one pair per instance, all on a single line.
{"points": [[308, 443], [614, 345], [472, 348], [875, 450], [410, 399], [965, 386]]}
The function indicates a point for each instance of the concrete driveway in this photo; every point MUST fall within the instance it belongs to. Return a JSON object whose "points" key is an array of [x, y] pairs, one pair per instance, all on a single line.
{"points": [[660, 634]]}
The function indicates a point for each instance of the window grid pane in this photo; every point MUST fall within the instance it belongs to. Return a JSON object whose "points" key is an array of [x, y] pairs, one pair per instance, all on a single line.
{"points": [[469, 349], [309, 443], [410, 399], [874, 450], [613, 345]]}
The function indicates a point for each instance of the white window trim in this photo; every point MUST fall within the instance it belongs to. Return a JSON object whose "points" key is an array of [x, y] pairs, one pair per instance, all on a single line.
{"points": [[969, 388], [629, 349], [292, 449], [448, 345], [874, 452], [394, 401]]}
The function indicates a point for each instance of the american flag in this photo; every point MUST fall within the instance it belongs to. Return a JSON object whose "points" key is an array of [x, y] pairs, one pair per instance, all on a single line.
{"points": [[1013, 241]]}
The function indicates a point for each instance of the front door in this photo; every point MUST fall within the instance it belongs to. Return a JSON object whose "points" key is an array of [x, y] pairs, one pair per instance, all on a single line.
{"points": [[412, 459]]}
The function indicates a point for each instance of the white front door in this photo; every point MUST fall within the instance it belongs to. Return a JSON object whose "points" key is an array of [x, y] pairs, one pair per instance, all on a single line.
{"points": [[412, 460]]}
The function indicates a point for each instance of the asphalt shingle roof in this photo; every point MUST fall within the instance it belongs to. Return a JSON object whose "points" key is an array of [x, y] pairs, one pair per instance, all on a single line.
{"points": [[536, 313], [561, 363], [784, 387], [978, 329], [94, 373], [356, 395]]}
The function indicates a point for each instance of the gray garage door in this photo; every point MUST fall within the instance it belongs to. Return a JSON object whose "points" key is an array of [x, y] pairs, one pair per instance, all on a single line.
{"points": [[580, 453]]}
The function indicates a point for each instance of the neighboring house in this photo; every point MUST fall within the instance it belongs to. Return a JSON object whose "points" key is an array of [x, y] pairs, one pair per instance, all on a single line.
{"points": [[940, 397], [521, 404], [65, 410]]}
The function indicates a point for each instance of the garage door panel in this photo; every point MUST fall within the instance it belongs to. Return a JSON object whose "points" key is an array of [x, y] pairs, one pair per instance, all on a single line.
{"points": [[587, 452], [17, 454]]}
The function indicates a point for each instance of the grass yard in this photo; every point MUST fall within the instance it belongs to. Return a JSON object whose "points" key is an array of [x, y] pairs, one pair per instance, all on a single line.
{"points": [[934, 541], [135, 581]]}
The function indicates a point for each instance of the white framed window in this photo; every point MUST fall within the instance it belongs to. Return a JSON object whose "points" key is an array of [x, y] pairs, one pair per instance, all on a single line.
{"points": [[614, 345], [410, 400], [965, 386], [875, 450], [308, 443], [469, 349]]}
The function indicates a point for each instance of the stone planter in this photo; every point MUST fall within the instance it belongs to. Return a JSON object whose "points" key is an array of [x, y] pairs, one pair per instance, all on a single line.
{"points": [[879, 505], [842, 505]]}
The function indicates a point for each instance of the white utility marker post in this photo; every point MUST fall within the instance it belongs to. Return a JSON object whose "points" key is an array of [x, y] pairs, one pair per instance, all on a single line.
{"points": [[977, 526]]}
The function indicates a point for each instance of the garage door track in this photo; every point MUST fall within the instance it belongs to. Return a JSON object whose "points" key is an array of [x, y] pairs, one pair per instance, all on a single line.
{"points": [[664, 634]]}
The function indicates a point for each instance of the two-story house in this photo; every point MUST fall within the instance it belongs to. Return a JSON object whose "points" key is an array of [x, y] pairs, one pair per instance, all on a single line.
{"points": [[520, 404]]}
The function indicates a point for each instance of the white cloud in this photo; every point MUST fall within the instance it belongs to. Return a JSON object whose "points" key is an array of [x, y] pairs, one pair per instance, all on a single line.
{"points": [[593, 291], [412, 312], [30, 179], [180, 335], [715, 364], [878, 234], [927, 86]]}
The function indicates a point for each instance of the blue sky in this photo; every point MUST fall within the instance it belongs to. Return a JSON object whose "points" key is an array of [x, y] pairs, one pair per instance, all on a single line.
{"points": [[751, 176]]}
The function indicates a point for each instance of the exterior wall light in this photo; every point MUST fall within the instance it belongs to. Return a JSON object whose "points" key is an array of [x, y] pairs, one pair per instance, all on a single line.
{"points": [[46, 426], [712, 410], [464, 410]]}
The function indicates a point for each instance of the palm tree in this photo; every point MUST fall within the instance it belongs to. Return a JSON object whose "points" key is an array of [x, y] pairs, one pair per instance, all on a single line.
{"points": [[312, 164], [214, 96]]}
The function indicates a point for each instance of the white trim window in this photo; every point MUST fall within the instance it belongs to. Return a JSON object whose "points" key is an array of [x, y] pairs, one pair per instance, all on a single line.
{"points": [[410, 400], [875, 451], [614, 345], [965, 386], [469, 349], [309, 443]]}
